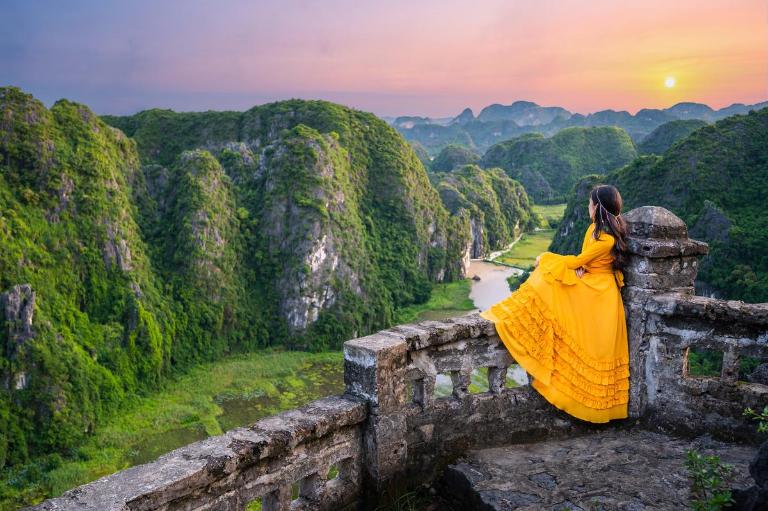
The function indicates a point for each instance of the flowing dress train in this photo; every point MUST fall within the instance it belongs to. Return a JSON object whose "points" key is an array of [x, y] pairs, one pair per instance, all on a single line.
{"points": [[570, 333]]}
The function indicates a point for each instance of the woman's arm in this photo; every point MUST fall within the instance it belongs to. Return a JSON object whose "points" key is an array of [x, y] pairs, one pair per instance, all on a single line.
{"points": [[564, 267], [598, 248]]}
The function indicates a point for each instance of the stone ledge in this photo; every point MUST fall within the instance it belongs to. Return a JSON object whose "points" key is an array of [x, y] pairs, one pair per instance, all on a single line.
{"points": [[659, 248], [433, 333], [616, 468], [192, 468], [711, 309]]}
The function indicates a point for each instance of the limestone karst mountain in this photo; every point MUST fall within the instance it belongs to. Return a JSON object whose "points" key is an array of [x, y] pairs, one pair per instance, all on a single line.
{"points": [[453, 156], [549, 167], [667, 134], [135, 246], [497, 207], [716, 180], [466, 115], [523, 113]]}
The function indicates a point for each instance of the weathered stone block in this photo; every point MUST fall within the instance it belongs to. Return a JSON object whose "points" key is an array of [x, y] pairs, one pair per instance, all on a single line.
{"points": [[385, 447], [374, 370], [655, 222], [658, 281]]}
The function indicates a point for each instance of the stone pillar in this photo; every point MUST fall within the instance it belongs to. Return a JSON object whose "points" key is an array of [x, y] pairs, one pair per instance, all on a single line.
{"points": [[374, 370], [662, 260]]}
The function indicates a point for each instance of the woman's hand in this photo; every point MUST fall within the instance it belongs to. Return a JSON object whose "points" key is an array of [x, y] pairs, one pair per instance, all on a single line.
{"points": [[537, 261], [580, 271]]}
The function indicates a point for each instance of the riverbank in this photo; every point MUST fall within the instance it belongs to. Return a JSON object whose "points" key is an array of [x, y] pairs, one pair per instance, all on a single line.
{"points": [[523, 251]]}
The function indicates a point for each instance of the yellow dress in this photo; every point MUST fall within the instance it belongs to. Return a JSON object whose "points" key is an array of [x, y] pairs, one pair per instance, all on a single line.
{"points": [[570, 333]]}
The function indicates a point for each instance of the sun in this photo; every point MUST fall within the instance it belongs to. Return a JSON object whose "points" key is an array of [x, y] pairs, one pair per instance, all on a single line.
{"points": [[669, 82]]}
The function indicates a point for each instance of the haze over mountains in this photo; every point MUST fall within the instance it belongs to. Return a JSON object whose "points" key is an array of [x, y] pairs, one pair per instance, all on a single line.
{"points": [[499, 122]]}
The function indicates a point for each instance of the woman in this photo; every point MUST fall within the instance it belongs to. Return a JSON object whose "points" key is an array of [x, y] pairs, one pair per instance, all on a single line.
{"points": [[565, 325]]}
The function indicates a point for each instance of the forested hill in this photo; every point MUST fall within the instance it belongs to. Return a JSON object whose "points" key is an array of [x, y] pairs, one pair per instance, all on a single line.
{"points": [[337, 211], [549, 167], [302, 223], [496, 123], [716, 180], [496, 206], [667, 134]]}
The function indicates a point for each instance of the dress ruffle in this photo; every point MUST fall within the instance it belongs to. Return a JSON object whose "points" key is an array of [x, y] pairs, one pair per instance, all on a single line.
{"points": [[549, 353]]}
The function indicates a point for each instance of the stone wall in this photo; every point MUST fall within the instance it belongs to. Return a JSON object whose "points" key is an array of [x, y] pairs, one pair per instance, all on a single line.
{"points": [[390, 428], [412, 433], [226, 472]]}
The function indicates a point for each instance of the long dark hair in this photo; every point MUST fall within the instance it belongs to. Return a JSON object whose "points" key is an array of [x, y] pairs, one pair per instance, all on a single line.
{"points": [[607, 201]]}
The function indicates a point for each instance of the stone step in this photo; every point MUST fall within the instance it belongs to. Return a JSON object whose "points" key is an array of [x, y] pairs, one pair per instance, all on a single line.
{"points": [[614, 469]]}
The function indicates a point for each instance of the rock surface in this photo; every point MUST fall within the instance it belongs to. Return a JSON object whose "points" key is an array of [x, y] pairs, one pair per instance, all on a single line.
{"points": [[615, 469]]}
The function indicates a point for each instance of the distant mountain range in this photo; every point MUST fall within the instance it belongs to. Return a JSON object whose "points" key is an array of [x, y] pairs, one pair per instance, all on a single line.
{"points": [[496, 122]]}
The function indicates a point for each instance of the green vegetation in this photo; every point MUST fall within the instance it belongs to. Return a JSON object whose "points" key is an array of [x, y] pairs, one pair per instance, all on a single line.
{"points": [[663, 137], [446, 299], [207, 400], [715, 180], [705, 362], [549, 167], [710, 490], [199, 237], [496, 207], [452, 156], [760, 417], [551, 213], [523, 253], [421, 153], [515, 281]]}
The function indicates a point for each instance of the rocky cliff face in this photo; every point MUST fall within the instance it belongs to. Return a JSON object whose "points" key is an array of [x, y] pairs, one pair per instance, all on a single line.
{"points": [[350, 226]]}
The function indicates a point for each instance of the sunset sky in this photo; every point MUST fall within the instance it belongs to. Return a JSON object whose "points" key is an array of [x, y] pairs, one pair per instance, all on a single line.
{"points": [[424, 57]]}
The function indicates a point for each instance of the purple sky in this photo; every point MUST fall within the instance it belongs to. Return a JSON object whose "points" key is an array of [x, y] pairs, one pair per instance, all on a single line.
{"points": [[428, 57]]}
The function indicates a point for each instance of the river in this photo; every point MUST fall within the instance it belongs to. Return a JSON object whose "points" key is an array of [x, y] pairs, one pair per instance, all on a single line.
{"points": [[492, 286]]}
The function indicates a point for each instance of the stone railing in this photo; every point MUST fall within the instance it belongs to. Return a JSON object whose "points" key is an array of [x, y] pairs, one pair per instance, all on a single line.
{"points": [[675, 326], [412, 432], [390, 429], [666, 322], [261, 462]]}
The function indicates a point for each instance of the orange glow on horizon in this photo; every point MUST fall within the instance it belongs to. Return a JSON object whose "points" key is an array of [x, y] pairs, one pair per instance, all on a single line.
{"points": [[432, 57]]}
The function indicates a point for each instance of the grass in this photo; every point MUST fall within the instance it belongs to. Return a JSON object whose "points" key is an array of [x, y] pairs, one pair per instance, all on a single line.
{"points": [[194, 402], [523, 253], [550, 211], [447, 299]]}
